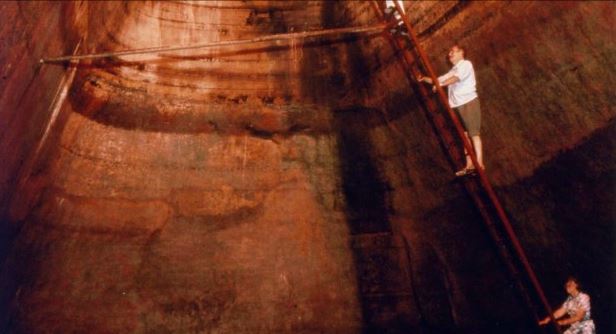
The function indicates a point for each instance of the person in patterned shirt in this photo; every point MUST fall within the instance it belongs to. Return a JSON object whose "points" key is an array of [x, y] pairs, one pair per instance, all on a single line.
{"points": [[575, 311]]}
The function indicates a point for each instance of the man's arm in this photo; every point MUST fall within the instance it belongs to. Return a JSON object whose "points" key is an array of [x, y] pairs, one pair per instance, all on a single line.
{"points": [[444, 80], [449, 81], [422, 78], [580, 312], [557, 314], [579, 315]]}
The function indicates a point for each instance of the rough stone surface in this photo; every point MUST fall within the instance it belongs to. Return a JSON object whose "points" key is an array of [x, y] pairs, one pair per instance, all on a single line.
{"points": [[298, 186]]}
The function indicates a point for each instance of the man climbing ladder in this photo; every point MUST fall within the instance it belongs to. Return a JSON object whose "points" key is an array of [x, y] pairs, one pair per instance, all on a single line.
{"points": [[462, 95]]}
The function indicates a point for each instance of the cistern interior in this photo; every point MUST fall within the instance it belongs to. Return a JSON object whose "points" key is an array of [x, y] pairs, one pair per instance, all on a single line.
{"points": [[217, 179]]}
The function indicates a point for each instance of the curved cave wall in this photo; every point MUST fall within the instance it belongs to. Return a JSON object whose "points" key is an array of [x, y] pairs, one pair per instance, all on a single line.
{"points": [[295, 186]]}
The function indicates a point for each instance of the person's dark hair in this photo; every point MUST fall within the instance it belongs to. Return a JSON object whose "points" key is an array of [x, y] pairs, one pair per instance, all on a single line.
{"points": [[575, 280], [461, 48]]}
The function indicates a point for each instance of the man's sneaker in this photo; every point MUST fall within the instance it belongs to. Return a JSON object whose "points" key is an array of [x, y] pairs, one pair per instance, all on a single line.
{"points": [[466, 171]]}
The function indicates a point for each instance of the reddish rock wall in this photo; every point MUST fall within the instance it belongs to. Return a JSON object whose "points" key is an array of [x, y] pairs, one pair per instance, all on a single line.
{"points": [[28, 32], [187, 193], [31, 30], [298, 186]]}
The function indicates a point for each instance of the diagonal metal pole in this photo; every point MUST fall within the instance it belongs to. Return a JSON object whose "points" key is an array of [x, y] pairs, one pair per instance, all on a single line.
{"points": [[268, 38]]}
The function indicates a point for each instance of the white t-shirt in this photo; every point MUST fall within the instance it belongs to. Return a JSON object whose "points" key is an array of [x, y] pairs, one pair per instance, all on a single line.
{"points": [[463, 91]]}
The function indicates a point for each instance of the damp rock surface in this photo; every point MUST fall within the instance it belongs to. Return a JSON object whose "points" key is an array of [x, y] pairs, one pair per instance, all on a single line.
{"points": [[295, 186]]}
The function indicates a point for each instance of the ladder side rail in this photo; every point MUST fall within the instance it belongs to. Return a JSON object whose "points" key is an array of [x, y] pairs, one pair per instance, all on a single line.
{"points": [[501, 246]]}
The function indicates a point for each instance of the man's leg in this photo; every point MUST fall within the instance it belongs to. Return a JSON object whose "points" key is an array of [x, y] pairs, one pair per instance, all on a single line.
{"points": [[476, 143], [471, 118], [469, 168], [478, 151], [469, 162]]}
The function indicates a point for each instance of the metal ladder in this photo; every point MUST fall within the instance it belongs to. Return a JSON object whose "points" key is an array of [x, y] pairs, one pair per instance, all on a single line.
{"points": [[478, 187]]}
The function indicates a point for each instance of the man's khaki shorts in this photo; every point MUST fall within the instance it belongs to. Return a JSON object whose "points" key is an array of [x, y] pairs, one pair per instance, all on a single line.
{"points": [[470, 113]]}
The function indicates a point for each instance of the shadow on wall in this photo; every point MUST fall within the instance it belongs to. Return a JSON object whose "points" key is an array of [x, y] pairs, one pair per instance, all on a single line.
{"points": [[575, 190], [483, 295], [402, 287], [382, 259], [366, 214], [389, 302], [363, 186]]}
